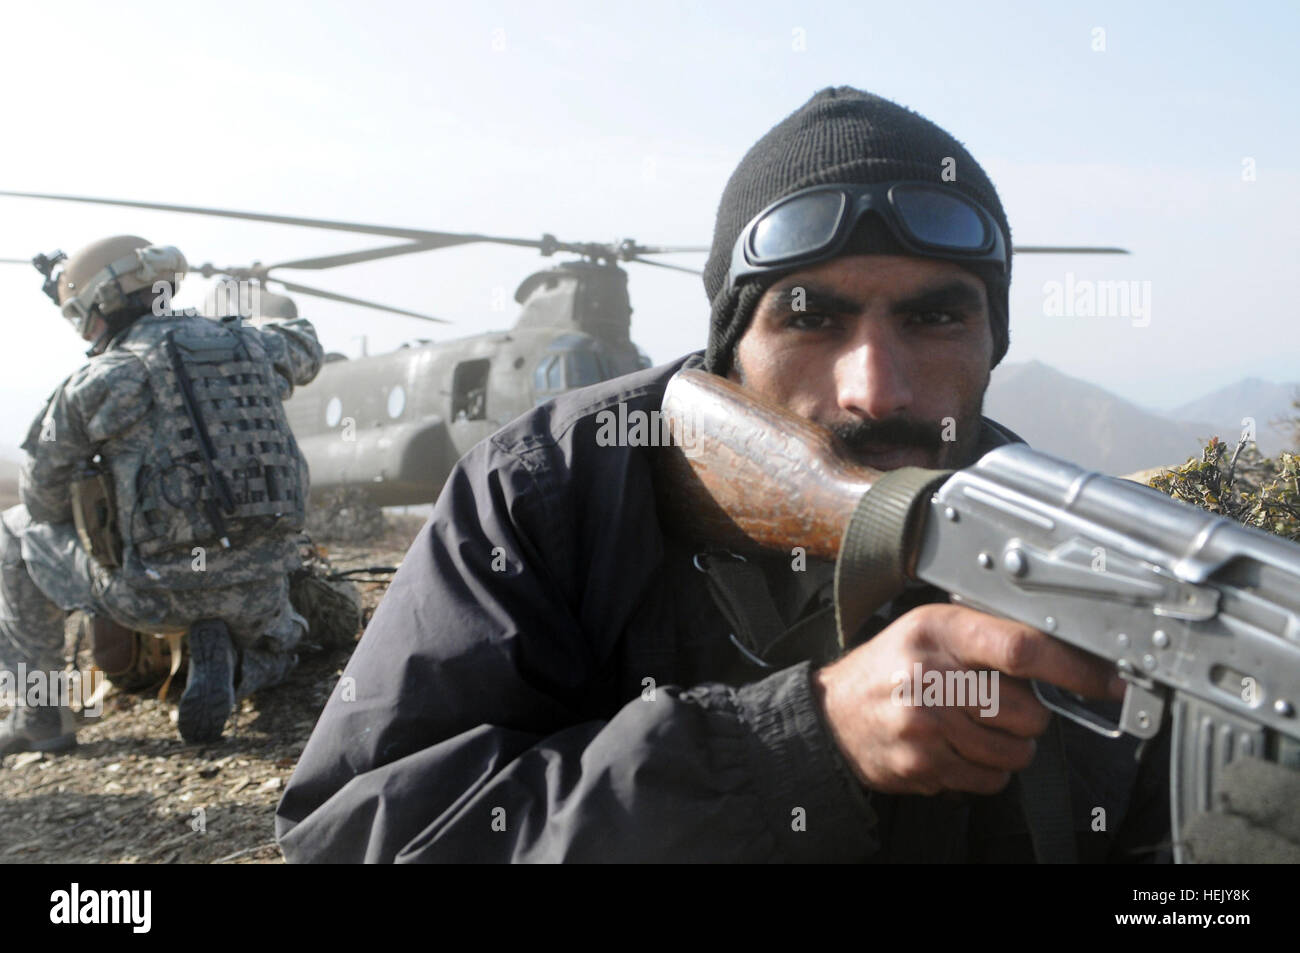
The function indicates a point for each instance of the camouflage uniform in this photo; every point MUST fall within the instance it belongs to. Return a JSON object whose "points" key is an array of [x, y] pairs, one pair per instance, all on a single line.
{"points": [[111, 407]]}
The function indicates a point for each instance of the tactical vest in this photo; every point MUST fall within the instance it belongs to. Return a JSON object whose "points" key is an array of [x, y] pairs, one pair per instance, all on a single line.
{"points": [[224, 469]]}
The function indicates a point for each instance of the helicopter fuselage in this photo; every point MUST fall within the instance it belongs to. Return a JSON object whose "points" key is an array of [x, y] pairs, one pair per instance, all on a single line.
{"points": [[396, 423]]}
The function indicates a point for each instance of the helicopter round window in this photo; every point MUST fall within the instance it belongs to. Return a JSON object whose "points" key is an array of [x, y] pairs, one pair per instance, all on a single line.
{"points": [[396, 402], [333, 412]]}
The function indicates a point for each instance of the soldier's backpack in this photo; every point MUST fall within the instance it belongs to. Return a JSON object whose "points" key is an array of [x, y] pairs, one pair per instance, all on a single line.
{"points": [[224, 468]]}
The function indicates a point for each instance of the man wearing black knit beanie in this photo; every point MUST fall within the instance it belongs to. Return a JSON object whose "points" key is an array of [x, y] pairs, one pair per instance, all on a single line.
{"points": [[936, 362], [553, 676], [842, 136]]}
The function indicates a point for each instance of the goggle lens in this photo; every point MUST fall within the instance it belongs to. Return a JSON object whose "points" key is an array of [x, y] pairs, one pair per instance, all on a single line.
{"points": [[936, 218], [802, 225]]}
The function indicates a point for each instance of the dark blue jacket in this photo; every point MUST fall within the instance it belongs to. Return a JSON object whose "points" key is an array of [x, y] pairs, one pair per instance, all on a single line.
{"points": [[548, 679]]}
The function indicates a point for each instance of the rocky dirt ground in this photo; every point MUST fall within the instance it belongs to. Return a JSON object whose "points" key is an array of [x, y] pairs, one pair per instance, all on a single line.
{"points": [[134, 792]]}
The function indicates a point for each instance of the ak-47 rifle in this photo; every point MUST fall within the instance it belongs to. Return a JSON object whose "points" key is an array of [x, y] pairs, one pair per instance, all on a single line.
{"points": [[1200, 615]]}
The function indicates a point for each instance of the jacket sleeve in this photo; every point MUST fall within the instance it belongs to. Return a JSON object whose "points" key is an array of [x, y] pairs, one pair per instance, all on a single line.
{"points": [[295, 352], [56, 444], [464, 727], [98, 402]]}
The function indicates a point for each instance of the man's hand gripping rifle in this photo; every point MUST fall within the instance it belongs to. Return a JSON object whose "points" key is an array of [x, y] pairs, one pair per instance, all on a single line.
{"points": [[1200, 615]]}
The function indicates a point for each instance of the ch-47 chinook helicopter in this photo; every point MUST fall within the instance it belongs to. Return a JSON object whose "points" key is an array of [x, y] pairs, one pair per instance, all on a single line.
{"points": [[396, 423]]}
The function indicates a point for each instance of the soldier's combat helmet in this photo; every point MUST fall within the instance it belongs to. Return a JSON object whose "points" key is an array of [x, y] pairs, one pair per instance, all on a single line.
{"points": [[103, 278]]}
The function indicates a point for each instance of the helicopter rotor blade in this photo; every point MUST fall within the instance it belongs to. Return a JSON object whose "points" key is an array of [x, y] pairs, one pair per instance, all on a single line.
{"points": [[421, 239], [430, 238], [345, 299], [352, 258], [15, 261], [1067, 250], [664, 264], [638, 250]]}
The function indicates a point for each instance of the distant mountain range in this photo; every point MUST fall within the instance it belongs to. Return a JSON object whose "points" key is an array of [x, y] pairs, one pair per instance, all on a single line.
{"points": [[1261, 400], [1090, 426]]}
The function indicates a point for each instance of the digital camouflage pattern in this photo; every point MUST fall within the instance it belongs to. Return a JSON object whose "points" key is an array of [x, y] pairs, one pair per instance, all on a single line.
{"points": [[109, 408], [31, 626], [223, 464]]}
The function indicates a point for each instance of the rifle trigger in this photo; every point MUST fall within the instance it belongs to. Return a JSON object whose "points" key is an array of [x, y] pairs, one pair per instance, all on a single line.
{"points": [[1056, 700], [1141, 715]]}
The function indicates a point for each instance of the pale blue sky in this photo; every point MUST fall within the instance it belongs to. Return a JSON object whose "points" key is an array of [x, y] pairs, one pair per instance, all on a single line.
{"points": [[602, 120]]}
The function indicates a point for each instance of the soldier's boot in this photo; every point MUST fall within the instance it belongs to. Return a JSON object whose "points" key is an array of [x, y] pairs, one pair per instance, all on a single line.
{"points": [[210, 692], [38, 728]]}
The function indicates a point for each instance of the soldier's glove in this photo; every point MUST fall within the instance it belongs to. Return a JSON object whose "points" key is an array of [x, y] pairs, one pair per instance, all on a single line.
{"points": [[1260, 819]]}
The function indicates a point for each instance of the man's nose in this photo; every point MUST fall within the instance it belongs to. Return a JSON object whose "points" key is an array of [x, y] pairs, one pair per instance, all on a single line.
{"points": [[872, 377]]}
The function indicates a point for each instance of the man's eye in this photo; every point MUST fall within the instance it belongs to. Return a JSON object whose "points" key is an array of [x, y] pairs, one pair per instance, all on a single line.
{"points": [[809, 321], [936, 318]]}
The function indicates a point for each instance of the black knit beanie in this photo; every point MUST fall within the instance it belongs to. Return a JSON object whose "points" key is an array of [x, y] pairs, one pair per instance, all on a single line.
{"points": [[841, 135]]}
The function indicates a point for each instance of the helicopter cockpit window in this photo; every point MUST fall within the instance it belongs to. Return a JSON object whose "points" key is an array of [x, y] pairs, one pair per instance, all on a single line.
{"points": [[582, 367], [540, 383], [574, 360], [469, 390]]}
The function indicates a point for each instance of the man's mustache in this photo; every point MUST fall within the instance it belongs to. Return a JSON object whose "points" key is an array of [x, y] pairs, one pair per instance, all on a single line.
{"points": [[869, 435]]}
